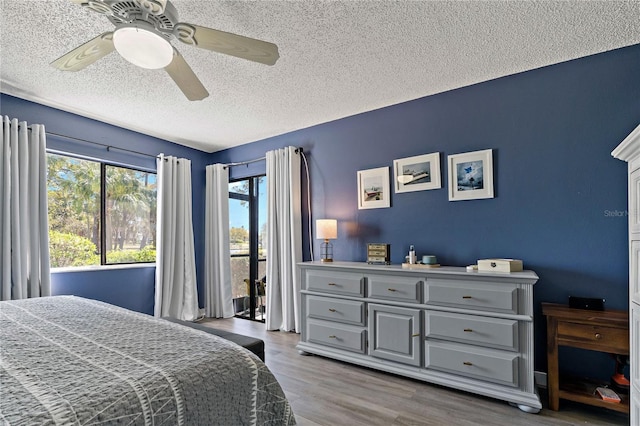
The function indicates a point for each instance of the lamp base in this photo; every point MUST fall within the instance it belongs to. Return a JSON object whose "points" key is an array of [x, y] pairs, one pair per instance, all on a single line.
{"points": [[326, 251]]}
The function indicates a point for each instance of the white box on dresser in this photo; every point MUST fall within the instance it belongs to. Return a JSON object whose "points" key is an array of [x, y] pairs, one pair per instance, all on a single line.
{"points": [[467, 330], [629, 151]]}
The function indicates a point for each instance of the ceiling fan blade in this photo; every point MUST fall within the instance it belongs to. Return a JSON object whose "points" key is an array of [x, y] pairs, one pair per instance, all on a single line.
{"points": [[227, 43], [86, 54], [185, 78]]}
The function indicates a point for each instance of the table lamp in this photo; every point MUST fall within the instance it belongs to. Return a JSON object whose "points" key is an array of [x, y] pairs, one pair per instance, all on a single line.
{"points": [[326, 229]]}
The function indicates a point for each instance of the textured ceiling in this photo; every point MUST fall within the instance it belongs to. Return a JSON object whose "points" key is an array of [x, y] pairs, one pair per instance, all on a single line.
{"points": [[337, 58]]}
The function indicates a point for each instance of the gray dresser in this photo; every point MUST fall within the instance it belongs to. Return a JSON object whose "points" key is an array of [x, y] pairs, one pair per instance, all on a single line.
{"points": [[467, 330]]}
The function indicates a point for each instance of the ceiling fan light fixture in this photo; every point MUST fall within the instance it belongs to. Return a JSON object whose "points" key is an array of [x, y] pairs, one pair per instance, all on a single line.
{"points": [[143, 47]]}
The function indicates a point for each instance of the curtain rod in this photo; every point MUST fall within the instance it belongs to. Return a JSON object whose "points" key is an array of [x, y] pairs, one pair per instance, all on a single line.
{"points": [[255, 160], [109, 147], [242, 163]]}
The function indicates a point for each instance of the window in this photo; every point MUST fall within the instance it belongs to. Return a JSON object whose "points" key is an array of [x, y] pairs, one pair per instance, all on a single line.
{"points": [[248, 238], [99, 214]]}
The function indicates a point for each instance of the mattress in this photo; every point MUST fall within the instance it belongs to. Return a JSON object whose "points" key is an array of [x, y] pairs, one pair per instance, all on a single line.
{"points": [[67, 360]]}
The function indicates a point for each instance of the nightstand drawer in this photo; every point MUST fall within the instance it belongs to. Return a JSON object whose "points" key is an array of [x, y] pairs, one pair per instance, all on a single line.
{"points": [[483, 331], [345, 283], [484, 364], [326, 308], [404, 289], [608, 339], [337, 335], [479, 295]]}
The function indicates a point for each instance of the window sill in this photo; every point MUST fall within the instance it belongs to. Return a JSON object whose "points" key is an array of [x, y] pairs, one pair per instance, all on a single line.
{"points": [[66, 269]]}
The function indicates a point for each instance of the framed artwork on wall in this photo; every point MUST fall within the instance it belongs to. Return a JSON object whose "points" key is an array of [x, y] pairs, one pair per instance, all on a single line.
{"points": [[417, 173], [373, 188], [471, 175]]}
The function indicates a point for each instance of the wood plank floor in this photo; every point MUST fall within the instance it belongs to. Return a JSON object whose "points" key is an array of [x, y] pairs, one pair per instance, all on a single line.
{"points": [[323, 391]]}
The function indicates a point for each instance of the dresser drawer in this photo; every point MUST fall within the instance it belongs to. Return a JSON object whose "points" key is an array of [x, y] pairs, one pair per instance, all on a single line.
{"points": [[340, 336], [483, 331], [479, 295], [404, 289], [607, 339], [346, 283], [326, 308], [484, 364]]}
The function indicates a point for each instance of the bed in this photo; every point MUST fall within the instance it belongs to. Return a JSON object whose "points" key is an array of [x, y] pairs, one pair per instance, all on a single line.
{"points": [[68, 360]]}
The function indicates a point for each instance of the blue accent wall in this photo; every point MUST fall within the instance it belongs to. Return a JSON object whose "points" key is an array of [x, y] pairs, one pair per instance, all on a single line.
{"points": [[560, 198]]}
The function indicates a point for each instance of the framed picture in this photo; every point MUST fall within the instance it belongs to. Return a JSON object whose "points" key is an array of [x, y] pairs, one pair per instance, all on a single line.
{"points": [[417, 173], [373, 188], [471, 175]]}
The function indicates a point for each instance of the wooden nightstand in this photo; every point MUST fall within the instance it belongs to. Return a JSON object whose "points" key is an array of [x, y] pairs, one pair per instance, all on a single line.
{"points": [[604, 331]]}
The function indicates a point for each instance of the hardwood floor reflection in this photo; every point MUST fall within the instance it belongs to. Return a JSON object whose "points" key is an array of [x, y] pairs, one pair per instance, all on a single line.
{"points": [[323, 391]]}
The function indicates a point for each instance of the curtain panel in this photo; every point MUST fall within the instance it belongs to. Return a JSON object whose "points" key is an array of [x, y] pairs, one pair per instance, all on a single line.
{"points": [[24, 234], [284, 245], [217, 269], [176, 286]]}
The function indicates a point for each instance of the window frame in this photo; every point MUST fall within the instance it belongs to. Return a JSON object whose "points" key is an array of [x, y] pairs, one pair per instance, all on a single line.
{"points": [[103, 211]]}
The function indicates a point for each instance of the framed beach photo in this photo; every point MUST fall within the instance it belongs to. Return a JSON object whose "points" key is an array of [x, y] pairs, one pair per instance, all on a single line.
{"points": [[373, 188], [417, 173], [471, 175]]}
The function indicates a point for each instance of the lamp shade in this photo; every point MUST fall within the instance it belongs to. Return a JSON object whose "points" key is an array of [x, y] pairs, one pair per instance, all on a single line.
{"points": [[141, 45], [326, 229]]}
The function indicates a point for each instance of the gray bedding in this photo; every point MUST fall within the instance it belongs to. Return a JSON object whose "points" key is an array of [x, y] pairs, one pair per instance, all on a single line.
{"points": [[66, 360]]}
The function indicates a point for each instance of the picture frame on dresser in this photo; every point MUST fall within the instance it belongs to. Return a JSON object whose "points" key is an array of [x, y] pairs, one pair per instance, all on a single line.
{"points": [[417, 173], [373, 188], [470, 175]]}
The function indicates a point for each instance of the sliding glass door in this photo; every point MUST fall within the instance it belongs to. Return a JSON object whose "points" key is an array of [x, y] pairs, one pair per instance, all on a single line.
{"points": [[248, 232]]}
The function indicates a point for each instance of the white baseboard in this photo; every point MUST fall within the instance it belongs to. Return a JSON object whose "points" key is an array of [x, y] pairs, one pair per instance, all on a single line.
{"points": [[540, 378]]}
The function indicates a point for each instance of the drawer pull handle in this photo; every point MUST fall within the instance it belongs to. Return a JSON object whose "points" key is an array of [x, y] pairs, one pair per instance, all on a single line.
{"points": [[598, 336], [331, 310], [415, 335], [467, 330], [391, 289], [331, 284], [467, 297], [332, 337], [467, 363]]}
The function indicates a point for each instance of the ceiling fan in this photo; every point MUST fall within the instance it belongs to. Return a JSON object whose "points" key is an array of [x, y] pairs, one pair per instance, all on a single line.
{"points": [[144, 29]]}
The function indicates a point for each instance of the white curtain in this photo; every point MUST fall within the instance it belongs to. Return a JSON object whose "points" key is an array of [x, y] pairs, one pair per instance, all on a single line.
{"points": [[176, 286], [284, 246], [24, 234], [217, 268]]}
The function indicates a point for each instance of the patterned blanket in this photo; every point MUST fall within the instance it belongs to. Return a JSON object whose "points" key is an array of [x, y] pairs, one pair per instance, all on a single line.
{"points": [[66, 360]]}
